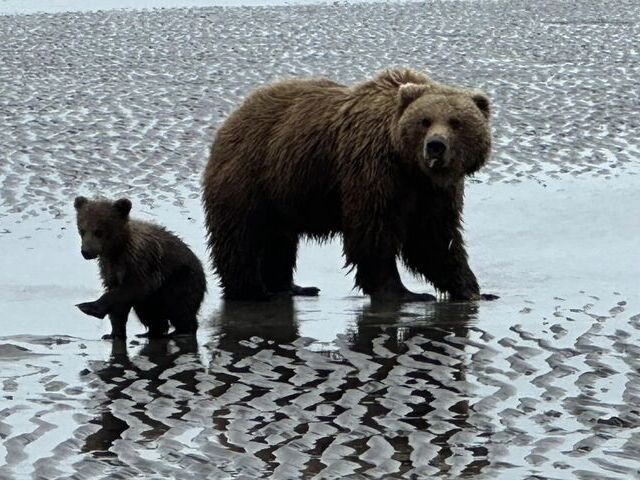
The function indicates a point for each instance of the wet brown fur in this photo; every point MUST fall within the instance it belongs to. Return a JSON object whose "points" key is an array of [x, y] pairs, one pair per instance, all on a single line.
{"points": [[143, 266], [317, 158]]}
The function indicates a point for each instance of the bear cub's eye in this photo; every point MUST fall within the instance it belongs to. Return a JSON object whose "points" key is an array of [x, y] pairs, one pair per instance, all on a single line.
{"points": [[455, 124], [98, 233], [82, 232], [426, 122]]}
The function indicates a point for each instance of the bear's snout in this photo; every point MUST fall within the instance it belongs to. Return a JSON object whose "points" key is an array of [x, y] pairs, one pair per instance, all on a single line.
{"points": [[435, 148], [88, 255]]}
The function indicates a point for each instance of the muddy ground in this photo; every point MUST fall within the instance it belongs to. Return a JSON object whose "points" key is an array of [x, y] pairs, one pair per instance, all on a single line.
{"points": [[542, 383]]}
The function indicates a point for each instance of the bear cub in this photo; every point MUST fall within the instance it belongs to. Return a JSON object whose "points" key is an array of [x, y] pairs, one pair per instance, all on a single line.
{"points": [[143, 266]]}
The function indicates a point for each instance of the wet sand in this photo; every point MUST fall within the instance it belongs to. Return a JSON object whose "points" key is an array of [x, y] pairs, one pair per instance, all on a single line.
{"points": [[539, 384]]}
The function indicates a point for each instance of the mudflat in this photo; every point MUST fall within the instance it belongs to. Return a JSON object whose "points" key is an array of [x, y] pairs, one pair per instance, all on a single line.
{"points": [[542, 382]]}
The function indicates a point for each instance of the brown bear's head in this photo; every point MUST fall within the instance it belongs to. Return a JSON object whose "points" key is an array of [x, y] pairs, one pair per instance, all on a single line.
{"points": [[103, 225], [444, 130]]}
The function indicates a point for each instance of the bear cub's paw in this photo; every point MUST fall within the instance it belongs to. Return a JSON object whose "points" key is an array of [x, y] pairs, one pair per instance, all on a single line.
{"points": [[95, 309]]}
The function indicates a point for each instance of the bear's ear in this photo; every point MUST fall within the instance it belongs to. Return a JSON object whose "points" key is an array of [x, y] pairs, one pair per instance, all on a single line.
{"points": [[409, 92], [482, 102], [79, 202], [123, 207]]}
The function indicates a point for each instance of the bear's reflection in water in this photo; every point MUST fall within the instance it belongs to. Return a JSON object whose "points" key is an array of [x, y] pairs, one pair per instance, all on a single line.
{"points": [[129, 387], [388, 395]]}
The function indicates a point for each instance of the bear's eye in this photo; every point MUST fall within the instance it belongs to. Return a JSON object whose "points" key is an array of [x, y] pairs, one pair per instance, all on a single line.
{"points": [[455, 124], [82, 232], [98, 233], [426, 122]]}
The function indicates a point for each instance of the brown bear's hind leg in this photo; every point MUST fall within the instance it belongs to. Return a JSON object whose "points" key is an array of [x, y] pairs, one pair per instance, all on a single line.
{"points": [[236, 257], [278, 263]]}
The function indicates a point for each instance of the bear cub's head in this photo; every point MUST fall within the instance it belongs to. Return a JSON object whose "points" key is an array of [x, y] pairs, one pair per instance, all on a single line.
{"points": [[102, 225], [444, 130]]}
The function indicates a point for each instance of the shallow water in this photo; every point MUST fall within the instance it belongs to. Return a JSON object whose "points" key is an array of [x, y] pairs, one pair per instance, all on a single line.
{"points": [[542, 383], [446, 389]]}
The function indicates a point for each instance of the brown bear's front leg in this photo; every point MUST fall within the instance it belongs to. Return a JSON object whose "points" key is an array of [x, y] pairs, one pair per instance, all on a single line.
{"points": [[461, 283], [377, 274], [433, 246], [443, 262], [369, 241], [117, 303], [454, 274], [121, 297]]}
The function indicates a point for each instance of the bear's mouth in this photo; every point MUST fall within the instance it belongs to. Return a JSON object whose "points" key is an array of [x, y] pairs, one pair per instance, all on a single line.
{"points": [[436, 163], [432, 162]]}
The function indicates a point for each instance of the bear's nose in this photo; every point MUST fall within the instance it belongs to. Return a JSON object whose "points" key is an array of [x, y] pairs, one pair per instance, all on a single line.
{"points": [[435, 148], [87, 255]]}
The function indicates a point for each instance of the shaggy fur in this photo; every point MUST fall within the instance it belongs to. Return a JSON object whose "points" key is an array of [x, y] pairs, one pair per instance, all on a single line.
{"points": [[143, 266], [382, 163]]}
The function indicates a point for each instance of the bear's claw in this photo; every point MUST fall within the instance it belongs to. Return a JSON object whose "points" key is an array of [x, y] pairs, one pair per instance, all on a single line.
{"points": [[304, 291], [403, 296], [111, 336], [488, 296]]}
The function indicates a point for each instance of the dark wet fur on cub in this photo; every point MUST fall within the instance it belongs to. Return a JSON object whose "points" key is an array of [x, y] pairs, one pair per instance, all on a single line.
{"points": [[143, 266], [316, 158]]}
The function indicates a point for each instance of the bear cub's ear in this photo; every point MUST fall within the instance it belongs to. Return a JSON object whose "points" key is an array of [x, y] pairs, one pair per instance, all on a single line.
{"points": [[482, 102], [409, 92], [79, 202], [123, 207]]}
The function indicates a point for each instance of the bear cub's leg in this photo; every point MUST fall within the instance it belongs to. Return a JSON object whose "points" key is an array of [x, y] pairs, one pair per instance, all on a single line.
{"points": [[143, 266], [151, 314], [118, 317], [181, 298]]}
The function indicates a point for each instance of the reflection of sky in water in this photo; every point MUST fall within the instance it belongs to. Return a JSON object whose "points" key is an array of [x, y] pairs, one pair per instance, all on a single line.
{"points": [[450, 391], [526, 243], [333, 384]]}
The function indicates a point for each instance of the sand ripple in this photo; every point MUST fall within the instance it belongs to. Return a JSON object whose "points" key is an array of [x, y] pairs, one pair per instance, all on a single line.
{"points": [[127, 103], [400, 394]]}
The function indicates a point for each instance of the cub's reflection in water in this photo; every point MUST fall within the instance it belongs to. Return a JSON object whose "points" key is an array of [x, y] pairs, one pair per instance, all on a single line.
{"points": [[389, 396], [128, 388]]}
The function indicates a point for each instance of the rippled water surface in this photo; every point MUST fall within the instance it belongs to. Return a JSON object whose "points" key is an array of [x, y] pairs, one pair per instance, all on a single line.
{"points": [[451, 390]]}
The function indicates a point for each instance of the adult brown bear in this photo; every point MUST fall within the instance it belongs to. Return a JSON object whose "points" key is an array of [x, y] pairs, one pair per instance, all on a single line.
{"points": [[382, 163]]}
